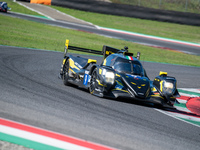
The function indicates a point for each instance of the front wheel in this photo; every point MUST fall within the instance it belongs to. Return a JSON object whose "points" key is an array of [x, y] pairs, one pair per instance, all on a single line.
{"points": [[66, 73], [93, 82]]}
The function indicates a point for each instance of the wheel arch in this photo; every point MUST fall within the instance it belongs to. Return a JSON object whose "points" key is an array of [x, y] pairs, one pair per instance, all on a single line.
{"points": [[92, 69]]}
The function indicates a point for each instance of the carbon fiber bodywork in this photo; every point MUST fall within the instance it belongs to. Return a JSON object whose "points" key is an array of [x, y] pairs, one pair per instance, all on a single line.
{"points": [[119, 75]]}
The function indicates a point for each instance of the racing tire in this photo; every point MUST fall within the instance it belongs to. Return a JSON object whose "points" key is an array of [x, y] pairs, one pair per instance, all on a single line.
{"points": [[93, 82], [66, 73]]}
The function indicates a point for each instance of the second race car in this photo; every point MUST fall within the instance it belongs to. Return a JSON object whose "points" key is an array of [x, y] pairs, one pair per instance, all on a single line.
{"points": [[119, 75], [4, 7]]}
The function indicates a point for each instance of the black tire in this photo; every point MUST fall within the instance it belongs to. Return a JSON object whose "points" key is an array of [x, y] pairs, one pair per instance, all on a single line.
{"points": [[93, 82], [66, 73]]}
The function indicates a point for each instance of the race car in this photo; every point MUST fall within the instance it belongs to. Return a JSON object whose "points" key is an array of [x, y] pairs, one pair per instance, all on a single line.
{"points": [[4, 7], [120, 75]]}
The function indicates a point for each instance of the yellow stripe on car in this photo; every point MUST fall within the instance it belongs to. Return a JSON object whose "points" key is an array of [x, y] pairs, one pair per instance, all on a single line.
{"points": [[104, 62], [161, 86], [92, 61], [72, 65], [99, 82], [119, 83], [100, 71], [157, 95], [67, 43], [118, 75], [153, 89]]}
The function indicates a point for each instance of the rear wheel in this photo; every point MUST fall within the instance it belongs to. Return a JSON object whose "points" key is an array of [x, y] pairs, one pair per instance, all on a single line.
{"points": [[93, 82], [66, 73]]}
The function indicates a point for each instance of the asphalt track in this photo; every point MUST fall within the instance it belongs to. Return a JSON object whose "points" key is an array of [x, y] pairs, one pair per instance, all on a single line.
{"points": [[186, 48], [31, 93]]}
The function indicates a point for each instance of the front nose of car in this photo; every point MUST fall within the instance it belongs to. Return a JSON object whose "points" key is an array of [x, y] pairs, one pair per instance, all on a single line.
{"points": [[137, 86]]}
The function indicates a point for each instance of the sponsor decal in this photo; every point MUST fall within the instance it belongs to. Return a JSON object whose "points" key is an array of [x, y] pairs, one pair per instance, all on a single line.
{"points": [[79, 66], [86, 79]]}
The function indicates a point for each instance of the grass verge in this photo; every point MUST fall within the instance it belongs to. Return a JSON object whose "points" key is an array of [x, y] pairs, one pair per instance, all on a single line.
{"points": [[23, 33], [162, 29]]}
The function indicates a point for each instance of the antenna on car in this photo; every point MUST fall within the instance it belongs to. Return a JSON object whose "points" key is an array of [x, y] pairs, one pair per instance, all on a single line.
{"points": [[125, 49]]}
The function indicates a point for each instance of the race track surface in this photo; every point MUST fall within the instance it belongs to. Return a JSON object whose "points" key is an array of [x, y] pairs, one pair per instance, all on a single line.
{"points": [[31, 93]]}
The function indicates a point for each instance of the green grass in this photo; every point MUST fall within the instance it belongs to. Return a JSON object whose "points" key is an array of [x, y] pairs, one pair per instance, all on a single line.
{"points": [[23, 33], [161, 29]]}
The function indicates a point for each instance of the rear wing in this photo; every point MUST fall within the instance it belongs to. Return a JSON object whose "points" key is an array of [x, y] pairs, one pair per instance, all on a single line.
{"points": [[106, 50], [67, 47]]}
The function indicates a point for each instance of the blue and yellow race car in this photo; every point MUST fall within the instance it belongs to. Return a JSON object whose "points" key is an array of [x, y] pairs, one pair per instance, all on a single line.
{"points": [[120, 75]]}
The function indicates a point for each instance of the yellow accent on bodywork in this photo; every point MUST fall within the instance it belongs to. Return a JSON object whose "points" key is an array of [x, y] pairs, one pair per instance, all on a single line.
{"points": [[153, 89], [139, 87], [118, 75], [104, 62], [99, 82], [71, 70], [161, 85], [119, 83], [157, 95], [91, 60], [143, 84], [100, 71], [72, 65], [133, 83], [67, 43], [162, 73]]}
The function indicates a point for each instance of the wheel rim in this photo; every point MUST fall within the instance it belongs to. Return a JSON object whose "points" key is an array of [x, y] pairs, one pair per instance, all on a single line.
{"points": [[93, 82], [66, 70]]}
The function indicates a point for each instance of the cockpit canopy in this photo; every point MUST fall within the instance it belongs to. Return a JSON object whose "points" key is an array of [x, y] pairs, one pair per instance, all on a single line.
{"points": [[122, 64]]}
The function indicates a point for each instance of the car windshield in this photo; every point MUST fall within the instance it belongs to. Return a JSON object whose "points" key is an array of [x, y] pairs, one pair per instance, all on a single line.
{"points": [[130, 67]]}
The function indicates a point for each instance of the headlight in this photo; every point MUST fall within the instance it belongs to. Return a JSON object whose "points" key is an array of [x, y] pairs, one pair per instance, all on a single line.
{"points": [[109, 76], [168, 87]]}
